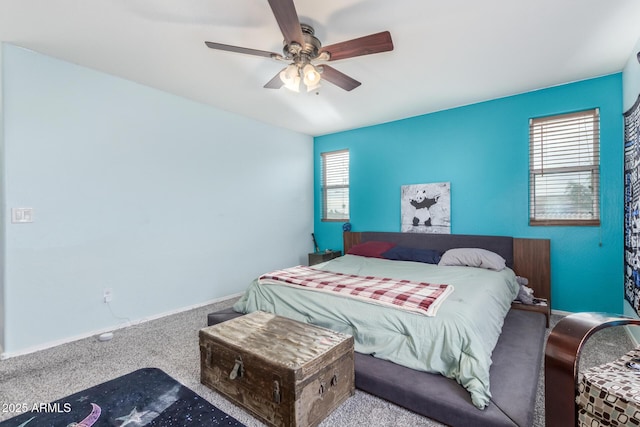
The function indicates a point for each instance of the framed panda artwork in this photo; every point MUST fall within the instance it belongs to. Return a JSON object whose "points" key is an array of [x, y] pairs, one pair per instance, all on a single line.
{"points": [[426, 208]]}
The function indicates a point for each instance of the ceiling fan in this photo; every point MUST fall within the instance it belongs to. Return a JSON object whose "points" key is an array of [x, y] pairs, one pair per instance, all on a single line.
{"points": [[303, 50]]}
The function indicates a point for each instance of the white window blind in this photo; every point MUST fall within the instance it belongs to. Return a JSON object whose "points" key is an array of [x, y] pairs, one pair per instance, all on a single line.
{"points": [[335, 186], [564, 169]]}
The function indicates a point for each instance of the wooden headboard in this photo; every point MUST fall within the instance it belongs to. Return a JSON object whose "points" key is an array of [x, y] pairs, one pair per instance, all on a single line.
{"points": [[530, 258]]}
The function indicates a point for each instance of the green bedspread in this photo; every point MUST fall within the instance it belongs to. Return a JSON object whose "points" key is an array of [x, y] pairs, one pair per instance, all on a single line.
{"points": [[456, 343]]}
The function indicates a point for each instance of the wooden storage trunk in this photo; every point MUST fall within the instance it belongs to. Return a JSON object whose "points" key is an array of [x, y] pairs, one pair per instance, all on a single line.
{"points": [[285, 372]]}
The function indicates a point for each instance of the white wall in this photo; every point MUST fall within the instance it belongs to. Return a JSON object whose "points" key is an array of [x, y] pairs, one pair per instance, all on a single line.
{"points": [[631, 79], [168, 202], [2, 213]]}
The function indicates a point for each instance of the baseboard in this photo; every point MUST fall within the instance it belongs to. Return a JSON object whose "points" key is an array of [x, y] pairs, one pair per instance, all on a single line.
{"points": [[113, 328], [632, 336]]}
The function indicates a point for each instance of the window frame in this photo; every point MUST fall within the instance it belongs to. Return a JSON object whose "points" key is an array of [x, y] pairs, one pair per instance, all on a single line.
{"points": [[324, 186], [593, 167]]}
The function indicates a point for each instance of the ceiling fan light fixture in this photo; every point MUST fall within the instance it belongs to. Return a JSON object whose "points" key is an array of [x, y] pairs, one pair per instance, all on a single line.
{"points": [[311, 77], [313, 87], [290, 77]]}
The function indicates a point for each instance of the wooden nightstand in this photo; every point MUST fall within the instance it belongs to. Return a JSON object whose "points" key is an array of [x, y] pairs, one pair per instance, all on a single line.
{"points": [[318, 257], [531, 259], [538, 308]]}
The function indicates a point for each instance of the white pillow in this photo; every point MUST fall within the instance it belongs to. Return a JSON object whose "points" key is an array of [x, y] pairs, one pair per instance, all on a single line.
{"points": [[473, 257]]}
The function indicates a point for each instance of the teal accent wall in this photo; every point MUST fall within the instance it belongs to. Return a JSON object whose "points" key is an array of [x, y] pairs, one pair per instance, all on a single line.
{"points": [[482, 150]]}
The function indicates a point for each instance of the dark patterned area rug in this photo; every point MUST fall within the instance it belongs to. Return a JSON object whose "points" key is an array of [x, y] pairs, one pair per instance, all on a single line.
{"points": [[146, 397]]}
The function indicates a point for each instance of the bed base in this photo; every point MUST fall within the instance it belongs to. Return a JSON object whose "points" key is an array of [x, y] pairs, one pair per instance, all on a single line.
{"points": [[514, 379]]}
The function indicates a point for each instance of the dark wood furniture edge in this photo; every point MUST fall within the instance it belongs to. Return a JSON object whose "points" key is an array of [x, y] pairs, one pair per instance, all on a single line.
{"points": [[562, 355], [542, 309], [532, 259], [350, 239]]}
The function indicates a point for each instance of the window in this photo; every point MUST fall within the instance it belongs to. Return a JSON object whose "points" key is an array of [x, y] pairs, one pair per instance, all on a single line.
{"points": [[564, 169], [335, 186]]}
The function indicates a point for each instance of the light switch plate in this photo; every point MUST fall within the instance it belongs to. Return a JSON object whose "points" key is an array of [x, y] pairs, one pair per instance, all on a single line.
{"points": [[21, 215]]}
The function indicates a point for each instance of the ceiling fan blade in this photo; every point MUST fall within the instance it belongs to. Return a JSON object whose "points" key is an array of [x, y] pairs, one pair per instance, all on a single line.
{"points": [[246, 50], [374, 43], [338, 78], [275, 82], [287, 17]]}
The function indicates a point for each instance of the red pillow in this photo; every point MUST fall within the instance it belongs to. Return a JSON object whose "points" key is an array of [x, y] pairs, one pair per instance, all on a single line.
{"points": [[371, 249]]}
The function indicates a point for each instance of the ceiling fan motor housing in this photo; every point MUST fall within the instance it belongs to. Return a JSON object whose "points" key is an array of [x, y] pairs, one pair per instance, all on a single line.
{"points": [[307, 51]]}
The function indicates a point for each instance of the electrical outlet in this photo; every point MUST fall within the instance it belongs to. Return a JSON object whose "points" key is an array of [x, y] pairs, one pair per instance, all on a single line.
{"points": [[107, 295]]}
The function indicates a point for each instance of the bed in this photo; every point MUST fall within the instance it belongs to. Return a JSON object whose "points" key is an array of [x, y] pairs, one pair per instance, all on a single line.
{"points": [[494, 378]]}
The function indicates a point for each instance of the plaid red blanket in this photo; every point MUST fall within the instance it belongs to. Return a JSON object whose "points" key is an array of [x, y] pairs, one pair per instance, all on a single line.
{"points": [[408, 295]]}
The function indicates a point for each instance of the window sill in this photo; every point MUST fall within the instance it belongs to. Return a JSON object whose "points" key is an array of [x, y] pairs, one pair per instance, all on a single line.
{"points": [[565, 222]]}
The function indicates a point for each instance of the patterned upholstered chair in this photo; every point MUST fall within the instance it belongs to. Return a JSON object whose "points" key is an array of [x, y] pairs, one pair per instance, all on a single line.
{"points": [[606, 395]]}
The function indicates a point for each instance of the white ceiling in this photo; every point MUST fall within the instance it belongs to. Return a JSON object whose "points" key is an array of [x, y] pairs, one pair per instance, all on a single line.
{"points": [[447, 53]]}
